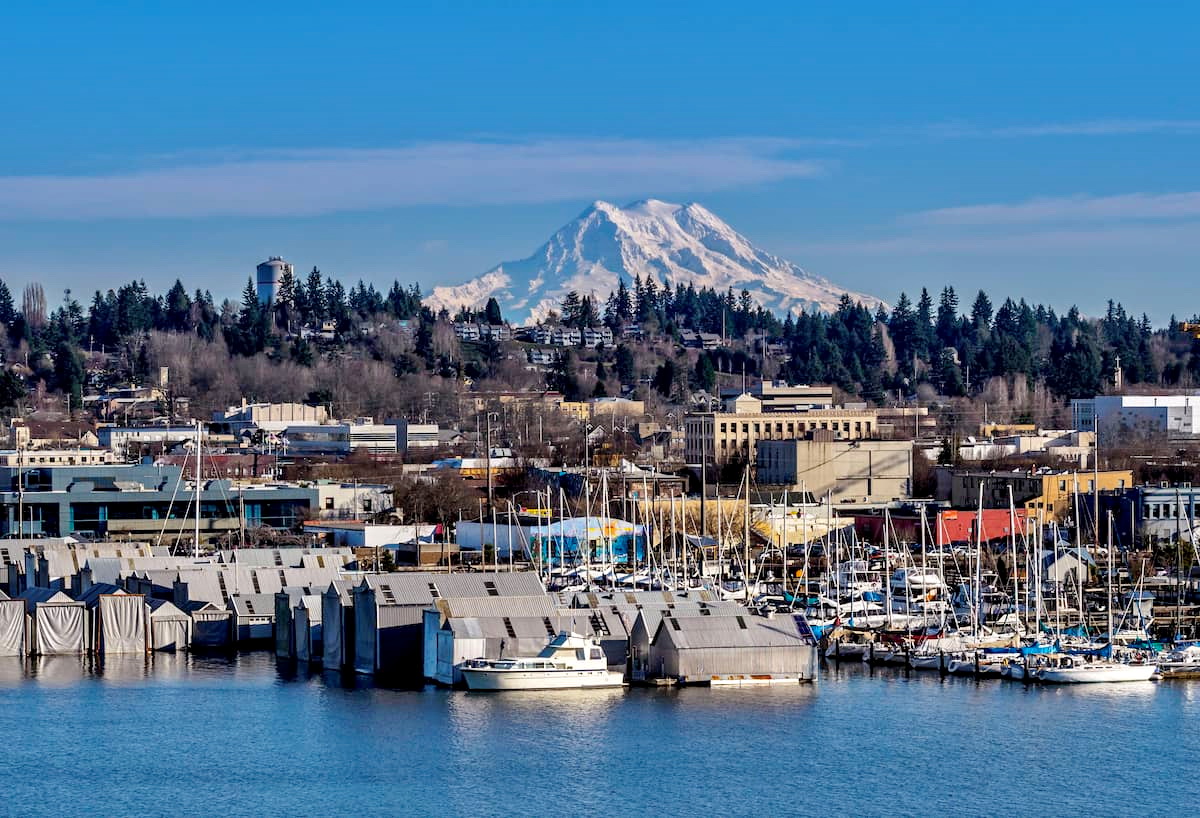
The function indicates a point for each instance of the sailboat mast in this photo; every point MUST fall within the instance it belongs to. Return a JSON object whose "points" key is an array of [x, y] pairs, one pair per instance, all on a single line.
{"points": [[746, 535], [887, 562], [1108, 607], [199, 446], [978, 596]]}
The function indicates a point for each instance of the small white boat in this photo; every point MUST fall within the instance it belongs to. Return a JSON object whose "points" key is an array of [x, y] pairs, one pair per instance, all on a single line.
{"points": [[570, 661], [1079, 670], [925, 661]]}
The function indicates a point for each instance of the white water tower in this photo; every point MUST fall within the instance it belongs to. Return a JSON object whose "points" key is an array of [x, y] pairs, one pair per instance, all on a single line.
{"points": [[269, 275]]}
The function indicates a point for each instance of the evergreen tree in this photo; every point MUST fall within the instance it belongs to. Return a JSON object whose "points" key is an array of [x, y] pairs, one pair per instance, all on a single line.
{"points": [[69, 374], [705, 374], [571, 309], [314, 297], [8, 312], [626, 372], [178, 312], [947, 318], [492, 313]]}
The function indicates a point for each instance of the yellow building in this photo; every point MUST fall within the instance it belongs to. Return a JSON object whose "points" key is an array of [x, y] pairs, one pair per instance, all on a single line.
{"points": [[733, 435], [1050, 496]]}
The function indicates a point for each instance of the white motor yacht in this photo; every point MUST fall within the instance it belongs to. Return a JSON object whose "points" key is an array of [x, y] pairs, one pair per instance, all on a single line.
{"points": [[569, 661]]}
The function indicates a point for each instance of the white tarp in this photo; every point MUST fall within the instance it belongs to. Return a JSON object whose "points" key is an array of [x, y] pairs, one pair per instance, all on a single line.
{"points": [[12, 627], [171, 633], [170, 628], [60, 629], [122, 623]]}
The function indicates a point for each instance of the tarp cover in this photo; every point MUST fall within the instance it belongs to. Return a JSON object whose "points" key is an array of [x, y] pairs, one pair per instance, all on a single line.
{"points": [[211, 629], [12, 627], [308, 636], [60, 630], [331, 632], [171, 634], [123, 624]]}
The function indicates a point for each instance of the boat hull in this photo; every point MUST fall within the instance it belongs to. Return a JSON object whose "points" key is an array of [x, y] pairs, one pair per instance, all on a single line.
{"points": [[489, 679], [1089, 675]]}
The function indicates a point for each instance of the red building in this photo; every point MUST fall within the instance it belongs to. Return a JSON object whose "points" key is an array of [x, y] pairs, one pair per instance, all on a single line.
{"points": [[958, 527]]}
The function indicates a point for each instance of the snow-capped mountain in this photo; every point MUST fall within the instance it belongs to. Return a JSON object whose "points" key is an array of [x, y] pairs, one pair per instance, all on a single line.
{"points": [[668, 242]]}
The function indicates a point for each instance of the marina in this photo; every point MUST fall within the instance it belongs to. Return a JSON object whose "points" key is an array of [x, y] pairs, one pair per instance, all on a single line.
{"points": [[294, 741]]}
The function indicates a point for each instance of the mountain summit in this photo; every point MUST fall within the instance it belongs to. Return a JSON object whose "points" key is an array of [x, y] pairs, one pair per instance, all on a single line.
{"points": [[675, 244]]}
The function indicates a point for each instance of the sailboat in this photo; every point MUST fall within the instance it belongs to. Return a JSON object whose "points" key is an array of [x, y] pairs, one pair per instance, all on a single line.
{"points": [[1073, 669]]}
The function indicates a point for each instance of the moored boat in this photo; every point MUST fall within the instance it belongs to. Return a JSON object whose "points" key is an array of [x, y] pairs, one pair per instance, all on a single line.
{"points": [[1082, 670], [570, 661]]}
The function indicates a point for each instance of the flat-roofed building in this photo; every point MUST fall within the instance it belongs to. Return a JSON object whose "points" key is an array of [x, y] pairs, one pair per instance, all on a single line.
{"points": [[733, 435], [849, 471]]}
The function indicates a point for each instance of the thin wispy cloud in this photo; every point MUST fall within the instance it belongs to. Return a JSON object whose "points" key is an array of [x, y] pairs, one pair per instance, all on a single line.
{"points": [[313, 182], [1095, 127], [1078, 208], [1065, 242]]}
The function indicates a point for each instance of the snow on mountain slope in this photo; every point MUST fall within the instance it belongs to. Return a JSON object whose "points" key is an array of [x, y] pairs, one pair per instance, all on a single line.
{"points": [[669, 242]]}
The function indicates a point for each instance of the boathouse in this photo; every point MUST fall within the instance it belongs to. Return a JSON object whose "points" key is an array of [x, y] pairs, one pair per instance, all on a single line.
{"points": [[14, 628], [59, 624], [740, 649], [170, 628], [337, 625], [306, 628], [389, 613]]}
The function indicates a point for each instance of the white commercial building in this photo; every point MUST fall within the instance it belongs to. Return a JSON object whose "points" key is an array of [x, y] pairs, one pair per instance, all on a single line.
{"points": [[1173, 415]]}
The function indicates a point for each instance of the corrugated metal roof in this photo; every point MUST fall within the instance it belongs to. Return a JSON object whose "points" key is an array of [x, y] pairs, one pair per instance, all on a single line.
{"points": [[255, 604], [313, 603], [661, 599], [344, 588], [693, 632], [424, 588], [488, 606], [280, 557]]}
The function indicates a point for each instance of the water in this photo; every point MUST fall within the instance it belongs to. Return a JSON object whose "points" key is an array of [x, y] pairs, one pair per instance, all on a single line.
{"points": [[245, 736]]}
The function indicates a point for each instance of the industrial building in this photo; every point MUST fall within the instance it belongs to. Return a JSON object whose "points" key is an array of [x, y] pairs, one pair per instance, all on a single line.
{"points": [[1138, 415], [849, 471]]}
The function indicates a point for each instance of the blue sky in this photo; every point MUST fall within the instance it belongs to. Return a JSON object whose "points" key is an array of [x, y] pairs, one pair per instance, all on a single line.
{"points": [[1039, 152]]}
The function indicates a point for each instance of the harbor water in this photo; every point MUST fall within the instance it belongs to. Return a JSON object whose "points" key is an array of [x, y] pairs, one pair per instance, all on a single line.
{"points": [[196, 735]]}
